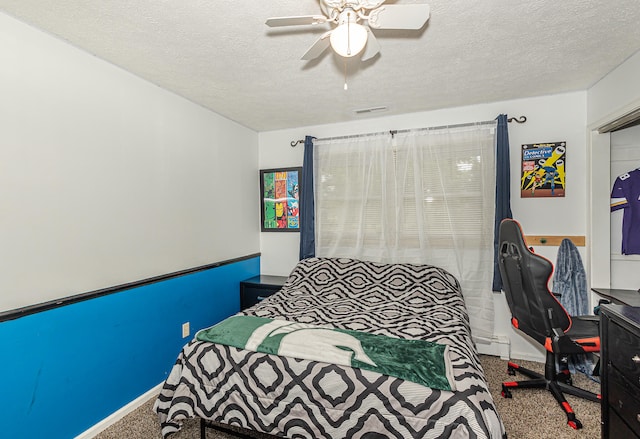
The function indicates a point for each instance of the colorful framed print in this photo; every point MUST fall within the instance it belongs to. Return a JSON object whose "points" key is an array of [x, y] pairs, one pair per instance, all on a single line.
{"points": [[543, 170], [280, 199]]}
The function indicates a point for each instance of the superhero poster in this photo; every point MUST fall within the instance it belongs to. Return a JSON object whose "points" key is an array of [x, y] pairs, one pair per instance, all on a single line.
{"points": [[280, 199], [543, 170]]}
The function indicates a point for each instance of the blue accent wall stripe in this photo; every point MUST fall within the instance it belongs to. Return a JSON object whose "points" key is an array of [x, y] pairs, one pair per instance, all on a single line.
{"points": [[67, 368]]}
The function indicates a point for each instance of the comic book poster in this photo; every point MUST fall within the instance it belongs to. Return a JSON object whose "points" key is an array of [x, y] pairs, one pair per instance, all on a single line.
{"points": [[280, 199], [543, 170]]}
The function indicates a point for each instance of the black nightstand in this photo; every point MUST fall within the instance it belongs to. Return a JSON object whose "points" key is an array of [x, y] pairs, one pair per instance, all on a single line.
{"points": [[257, 288]]}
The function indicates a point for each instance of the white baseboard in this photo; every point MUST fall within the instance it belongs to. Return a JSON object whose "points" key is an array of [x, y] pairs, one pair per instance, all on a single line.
{"points": [[121, 413]]}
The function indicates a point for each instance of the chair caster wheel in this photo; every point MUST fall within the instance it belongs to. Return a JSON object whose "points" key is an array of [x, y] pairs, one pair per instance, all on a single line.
{"points": [[511, 371], [575, 424], [565, 377], [506, 394]]}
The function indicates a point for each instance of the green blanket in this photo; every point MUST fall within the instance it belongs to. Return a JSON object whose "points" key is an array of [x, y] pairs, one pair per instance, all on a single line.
{"points": [[419, 361]]}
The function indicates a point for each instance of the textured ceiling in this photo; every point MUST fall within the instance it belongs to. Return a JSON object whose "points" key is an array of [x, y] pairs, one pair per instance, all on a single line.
{"points": [[222, 55]]}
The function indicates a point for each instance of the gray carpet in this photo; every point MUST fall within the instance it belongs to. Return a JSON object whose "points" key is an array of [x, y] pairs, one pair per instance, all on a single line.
{"points": [[530, 414]]}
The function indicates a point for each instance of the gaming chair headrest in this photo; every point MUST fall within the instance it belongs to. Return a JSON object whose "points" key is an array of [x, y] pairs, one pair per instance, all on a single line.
{"points": [[512, 243], [511, 231]]}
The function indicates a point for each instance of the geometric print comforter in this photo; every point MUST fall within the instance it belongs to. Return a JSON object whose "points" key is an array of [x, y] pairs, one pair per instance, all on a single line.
{"points": [[293, 398]]}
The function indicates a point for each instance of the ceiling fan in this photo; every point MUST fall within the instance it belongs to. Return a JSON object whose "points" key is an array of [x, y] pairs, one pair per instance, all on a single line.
{"points": [[350, 37]]}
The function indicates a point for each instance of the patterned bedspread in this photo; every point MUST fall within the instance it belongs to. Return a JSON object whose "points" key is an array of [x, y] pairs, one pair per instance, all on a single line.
{"points": [[290, 398]]}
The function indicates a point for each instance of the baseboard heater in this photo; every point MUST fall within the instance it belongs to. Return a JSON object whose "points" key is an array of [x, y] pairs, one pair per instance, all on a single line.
{"points": [[498, 345]]}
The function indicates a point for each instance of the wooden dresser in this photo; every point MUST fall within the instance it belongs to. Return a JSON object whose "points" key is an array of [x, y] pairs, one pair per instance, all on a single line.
{"points": [[620, 371]]}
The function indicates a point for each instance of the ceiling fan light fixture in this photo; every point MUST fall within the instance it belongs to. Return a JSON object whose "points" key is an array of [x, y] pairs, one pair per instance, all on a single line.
{"points": [[352, 22], [348, 39]]}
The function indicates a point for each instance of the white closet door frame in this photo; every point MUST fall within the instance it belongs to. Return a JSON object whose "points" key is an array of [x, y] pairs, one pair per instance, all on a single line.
{"points": [[598, 213]]}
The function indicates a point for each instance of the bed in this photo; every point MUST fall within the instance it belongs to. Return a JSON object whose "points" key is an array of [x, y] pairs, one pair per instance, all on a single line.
{"points": [[304, 398]]}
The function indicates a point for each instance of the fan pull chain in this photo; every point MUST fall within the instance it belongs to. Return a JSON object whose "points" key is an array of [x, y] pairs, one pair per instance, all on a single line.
{"points": [[346, 87], [345, 75]]}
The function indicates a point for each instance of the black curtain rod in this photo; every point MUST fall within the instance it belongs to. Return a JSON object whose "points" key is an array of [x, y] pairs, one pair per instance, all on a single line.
{"points": [[521, 119]]}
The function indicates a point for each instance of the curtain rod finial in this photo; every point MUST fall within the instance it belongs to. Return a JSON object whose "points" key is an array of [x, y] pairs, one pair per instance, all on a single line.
{"points": [[521, 119]]}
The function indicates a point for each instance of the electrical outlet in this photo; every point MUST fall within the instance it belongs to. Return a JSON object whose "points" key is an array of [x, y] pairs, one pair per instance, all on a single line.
{"points": [[185, 330]]}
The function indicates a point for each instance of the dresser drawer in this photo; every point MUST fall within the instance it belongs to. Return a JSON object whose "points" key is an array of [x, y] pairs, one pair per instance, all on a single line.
{"points": [[618, 429], [252, 295], [624, 399], [624, 352]]}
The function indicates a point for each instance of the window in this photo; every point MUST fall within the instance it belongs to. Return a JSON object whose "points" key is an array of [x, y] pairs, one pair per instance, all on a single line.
{"points": [[422, 196]]}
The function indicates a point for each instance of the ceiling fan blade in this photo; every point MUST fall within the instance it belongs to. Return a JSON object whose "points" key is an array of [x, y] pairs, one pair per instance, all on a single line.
{"points": [[296, 21], [399, 16], [318, 47], [372, 47]]}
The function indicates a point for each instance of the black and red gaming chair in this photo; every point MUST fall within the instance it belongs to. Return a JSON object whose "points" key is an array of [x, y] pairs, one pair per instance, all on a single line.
{"points": [[536, 312]]}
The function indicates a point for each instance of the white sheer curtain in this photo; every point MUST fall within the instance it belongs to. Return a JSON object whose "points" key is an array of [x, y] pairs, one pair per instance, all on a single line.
{"points": [[423, 196]]}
